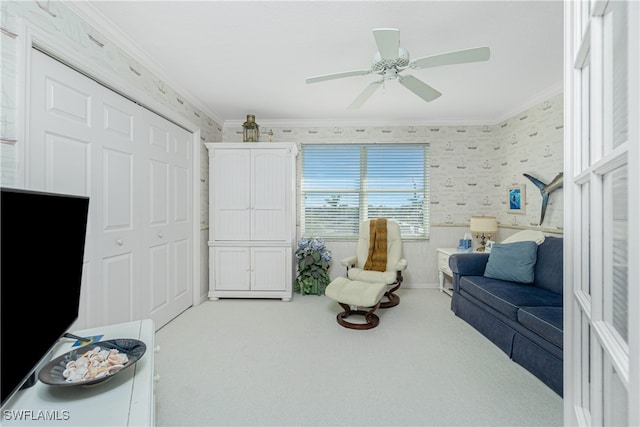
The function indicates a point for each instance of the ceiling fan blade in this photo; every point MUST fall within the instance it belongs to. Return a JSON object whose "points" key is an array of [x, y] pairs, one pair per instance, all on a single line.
{"points": [[419, 87], [364, 95], [388, 41], [456, 57], [325, 77]]}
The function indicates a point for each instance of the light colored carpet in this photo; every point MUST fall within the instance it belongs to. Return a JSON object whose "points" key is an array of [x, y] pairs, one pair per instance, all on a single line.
{"points": [[247, 362]]}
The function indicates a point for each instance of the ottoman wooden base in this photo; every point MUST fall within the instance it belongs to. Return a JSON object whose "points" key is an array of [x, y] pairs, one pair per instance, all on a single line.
{"points": [[350, 293]]}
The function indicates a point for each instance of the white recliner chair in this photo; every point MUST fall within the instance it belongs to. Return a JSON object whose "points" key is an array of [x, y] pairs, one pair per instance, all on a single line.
{"points": [[367, 285], [392, 276]]}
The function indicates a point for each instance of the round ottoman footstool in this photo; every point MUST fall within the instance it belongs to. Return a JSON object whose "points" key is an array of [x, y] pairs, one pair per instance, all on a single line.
{"points": [[349, 293]]}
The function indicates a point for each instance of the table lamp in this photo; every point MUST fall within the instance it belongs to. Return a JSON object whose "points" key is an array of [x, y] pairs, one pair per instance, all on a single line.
{"points": [[483, 227]]}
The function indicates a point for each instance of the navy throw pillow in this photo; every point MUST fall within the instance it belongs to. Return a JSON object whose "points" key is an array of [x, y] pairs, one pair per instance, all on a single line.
{"points": [[514, 262]]}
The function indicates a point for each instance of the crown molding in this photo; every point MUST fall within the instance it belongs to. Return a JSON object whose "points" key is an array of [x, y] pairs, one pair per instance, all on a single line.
{"points": [[540, 97], [104, 25], [283, 123]]}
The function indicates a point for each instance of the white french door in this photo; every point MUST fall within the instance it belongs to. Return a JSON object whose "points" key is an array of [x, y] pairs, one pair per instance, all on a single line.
{"points": [[602, 213], [136, 167]]}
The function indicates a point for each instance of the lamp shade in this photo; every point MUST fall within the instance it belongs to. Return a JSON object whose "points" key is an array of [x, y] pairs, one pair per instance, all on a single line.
{"points": [[483, 224]]}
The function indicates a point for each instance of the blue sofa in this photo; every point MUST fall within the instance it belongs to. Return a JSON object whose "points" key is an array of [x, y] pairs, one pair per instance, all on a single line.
{"points": [[524, 320]]}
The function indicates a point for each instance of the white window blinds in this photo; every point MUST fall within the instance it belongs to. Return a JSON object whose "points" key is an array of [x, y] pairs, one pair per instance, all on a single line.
{"points": [[343, 185]]}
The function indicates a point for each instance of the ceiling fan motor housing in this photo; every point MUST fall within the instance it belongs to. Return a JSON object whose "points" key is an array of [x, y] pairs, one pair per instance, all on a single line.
{"points": [[379, 64]]}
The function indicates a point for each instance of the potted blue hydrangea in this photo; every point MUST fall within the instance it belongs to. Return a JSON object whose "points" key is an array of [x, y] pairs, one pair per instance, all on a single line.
{"points": [[313, 260]]}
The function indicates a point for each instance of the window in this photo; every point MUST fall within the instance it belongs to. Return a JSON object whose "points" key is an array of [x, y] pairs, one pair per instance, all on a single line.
{"points": [[345, 184]]}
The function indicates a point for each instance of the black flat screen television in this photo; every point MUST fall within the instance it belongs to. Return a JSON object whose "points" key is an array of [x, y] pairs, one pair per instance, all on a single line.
{"points": [[41, 261]]}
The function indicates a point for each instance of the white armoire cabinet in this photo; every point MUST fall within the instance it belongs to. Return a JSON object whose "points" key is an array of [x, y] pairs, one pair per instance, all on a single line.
{"points": [[251, 219]]}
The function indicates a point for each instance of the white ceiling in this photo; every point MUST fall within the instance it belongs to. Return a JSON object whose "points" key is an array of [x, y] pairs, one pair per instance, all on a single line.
{"points": [[234, 58]]}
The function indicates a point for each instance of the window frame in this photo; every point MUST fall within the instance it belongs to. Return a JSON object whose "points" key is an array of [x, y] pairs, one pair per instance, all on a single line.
{"points": [[363, 192]]}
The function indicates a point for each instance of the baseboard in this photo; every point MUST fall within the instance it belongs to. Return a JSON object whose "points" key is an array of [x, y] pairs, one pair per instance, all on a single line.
{"points": [[420, 286]]}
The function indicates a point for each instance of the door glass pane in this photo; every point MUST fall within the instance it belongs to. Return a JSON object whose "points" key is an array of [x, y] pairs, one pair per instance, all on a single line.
{"points": [[585, 276], [585, 353], [616, 398], [619, 74], [585, 112], [617, 310], [584, 11]]}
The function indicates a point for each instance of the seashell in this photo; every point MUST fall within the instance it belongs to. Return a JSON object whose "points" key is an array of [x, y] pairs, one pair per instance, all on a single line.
{"points": [[118, 359], [67, 372], [95, 363]]}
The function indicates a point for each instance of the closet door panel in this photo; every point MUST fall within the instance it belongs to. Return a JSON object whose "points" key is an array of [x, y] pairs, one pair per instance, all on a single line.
{"points": [[67, 165], [167, 222], [117, 285], [159, 276], [61, 156], [182, 143], [116, 217], [182, 272], [157, 241], [158, 177], [73, 103], [115, 186], [118, 122], [182, 197], [158, 137], [117, 190], [58, 153]]}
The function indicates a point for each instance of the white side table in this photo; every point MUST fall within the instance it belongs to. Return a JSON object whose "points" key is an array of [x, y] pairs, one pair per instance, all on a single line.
{"points": [[443, 267]]}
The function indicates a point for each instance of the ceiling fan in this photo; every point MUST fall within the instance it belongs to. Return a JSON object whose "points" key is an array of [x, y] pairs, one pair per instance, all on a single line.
{"points": [[391, 60]]}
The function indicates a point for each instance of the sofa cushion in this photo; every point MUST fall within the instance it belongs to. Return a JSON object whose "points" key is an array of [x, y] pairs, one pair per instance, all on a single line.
{"points": [[524, 235], [548, 269], [513, 262], [544, 321], [507, 297]]}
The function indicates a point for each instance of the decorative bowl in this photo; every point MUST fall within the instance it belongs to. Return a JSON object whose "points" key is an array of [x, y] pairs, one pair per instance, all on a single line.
{"points": [[52, 372]]}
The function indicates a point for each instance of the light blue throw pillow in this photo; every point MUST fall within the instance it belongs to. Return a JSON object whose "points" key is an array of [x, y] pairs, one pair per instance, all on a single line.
{"points": [[514, 262]]}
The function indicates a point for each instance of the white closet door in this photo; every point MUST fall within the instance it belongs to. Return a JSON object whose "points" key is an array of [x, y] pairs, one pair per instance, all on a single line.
{"points": [[136, 168], [60, 155], [167, 274], [116, 176]]}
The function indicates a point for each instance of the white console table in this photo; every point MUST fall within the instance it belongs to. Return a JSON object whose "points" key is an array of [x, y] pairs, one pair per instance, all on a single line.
{"points": [[127, 399]]}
